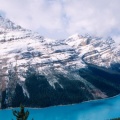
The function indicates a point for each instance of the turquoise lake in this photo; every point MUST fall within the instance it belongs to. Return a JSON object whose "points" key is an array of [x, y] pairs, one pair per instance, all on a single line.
{"points": [[93, 110]]}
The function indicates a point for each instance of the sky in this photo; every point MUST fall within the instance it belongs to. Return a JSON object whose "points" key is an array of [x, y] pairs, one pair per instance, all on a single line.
{"points": [[60, 19]]}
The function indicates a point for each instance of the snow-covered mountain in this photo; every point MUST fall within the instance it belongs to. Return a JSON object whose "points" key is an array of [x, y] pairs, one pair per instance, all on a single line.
{"points": [[40, 72]]}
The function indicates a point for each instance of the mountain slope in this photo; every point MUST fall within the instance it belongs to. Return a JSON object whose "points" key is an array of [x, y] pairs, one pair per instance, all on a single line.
{"points": [[41, 72]]}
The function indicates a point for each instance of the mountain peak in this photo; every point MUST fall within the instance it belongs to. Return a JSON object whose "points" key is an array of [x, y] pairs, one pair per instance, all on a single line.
{"points": [[74, 36], [6, 25]]}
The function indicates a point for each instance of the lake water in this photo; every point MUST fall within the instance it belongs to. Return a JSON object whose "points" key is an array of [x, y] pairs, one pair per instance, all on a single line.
{"points": [[93, 110]]}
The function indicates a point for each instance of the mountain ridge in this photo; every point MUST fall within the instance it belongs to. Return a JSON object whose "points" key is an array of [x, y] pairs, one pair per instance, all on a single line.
{"points": [[59, 72]]}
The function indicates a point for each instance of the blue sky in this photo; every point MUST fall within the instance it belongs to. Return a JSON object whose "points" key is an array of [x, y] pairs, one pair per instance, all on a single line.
{"points": [[59, 19]]}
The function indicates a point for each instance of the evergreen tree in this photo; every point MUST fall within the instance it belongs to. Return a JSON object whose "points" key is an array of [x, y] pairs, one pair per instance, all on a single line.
{"points": [[21, 115]]}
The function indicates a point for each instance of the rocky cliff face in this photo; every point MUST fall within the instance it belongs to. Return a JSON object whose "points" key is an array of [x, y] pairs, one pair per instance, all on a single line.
{"points": [[41, 72]]}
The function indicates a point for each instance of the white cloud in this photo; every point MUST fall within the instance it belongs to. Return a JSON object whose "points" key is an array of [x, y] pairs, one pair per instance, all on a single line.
{"points": [[91, 16], [33, 14], [60, 18]]}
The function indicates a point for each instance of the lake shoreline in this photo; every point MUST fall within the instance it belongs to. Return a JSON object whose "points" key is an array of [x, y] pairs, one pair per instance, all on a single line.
{"points": [[10, 108]]}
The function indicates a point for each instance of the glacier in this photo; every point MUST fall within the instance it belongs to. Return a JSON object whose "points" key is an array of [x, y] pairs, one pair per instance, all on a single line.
{"points": [[93, 110]]}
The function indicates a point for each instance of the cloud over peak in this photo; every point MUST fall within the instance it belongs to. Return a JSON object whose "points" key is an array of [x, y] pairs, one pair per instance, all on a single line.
{"points": [[60, 18]]}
